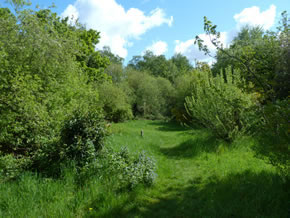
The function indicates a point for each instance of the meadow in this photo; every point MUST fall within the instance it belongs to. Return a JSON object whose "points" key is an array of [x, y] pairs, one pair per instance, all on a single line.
{"points": [[197, 176]]}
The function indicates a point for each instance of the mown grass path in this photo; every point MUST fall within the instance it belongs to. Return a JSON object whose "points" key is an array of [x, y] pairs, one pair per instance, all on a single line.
{"points": [[199, 176]]}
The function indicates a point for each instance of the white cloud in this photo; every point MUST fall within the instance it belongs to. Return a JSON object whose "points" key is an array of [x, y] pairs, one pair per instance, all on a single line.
{"points": [[117, 26], [158, 48], [71, 12], [191, 51], [252, 16]]}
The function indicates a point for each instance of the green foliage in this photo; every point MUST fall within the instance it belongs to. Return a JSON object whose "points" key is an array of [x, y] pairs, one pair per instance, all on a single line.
{"points": [[114, 102], [159, 66], [11, 167], [262, 57], [218, 103], [182, 63], [43, 81], [115, 68], [167, 94], [32, 80], [115, 72], [82, 136], [18, 3], [183, 88], [151, 97], [121, 169], [114, 59], [130, 171], [274, 137]]}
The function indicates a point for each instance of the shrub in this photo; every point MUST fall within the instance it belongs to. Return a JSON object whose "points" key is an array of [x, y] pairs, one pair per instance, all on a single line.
{"points": [[122, 169], [183, 86], [167, 94], [11, 167], [131, 170], [219, 104], [274, 135], [82, 136], [79, 140], [152, 97], [43, 79], [114, 102]]}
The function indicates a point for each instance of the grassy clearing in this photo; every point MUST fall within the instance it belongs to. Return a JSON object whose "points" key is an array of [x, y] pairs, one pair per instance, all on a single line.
{"points": [[198, 176]]}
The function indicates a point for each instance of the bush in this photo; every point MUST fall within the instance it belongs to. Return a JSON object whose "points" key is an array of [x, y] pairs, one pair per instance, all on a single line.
{"points": [[218, 103], [122, 169], [130, 170], [183, 86], [274, 135], [167, 94], [151, 97], [82, 136], [11, 167], [114, 102], [42, 81]]}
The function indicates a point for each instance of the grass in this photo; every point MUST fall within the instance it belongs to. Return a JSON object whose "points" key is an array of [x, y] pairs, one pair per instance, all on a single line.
{"points": [[198, 176]]}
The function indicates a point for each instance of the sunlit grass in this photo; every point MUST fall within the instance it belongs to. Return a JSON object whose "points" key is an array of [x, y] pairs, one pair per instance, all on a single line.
{"points": [[198, 176]]}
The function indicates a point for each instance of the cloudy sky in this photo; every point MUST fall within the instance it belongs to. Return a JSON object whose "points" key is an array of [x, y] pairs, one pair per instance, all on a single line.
{"points": [[166, 27]]}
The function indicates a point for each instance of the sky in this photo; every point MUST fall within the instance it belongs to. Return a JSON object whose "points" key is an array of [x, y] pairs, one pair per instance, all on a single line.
{"points": [[166, 27]]}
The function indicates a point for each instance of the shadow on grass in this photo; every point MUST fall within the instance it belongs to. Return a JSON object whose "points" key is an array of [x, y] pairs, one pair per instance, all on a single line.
{"points": [[247, 194], [274, 149], [168, 126], [192, 147], [119, 209]]}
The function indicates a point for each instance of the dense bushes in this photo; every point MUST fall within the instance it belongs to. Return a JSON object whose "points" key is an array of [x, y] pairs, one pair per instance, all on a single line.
{"points": [[274, 135], [183, 88], [121, 169], [11, 168], [54, 97], [43, 83], [114, 102], [82, 136], [150, 97], [131, 170], [263, 59], [220, 105]]}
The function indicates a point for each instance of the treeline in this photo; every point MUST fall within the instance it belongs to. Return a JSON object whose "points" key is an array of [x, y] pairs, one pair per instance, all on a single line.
{"points": [[57, 93], [148, 87]]}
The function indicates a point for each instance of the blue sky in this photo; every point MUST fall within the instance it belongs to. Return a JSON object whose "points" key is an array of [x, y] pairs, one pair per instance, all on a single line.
{"points": [[166, 27]]}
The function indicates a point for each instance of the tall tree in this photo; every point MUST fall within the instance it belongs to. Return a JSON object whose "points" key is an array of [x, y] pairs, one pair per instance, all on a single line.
{"points": [[261, 56]]}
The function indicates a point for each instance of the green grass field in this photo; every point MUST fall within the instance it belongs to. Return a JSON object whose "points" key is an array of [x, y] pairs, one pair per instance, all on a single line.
{"points": [[198, 176]]}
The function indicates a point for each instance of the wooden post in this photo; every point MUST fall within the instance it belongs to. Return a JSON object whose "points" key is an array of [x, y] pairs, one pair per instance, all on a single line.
{"points": [[144, 108]]}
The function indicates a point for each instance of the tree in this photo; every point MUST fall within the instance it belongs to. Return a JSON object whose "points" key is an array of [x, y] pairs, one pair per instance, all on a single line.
{"points": [[115, 69], [18, 3], [182, 63], [264, 60], [114, 102], [261, 56], [218, 103], [155, 65], [42, 83], [116, 59]]}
